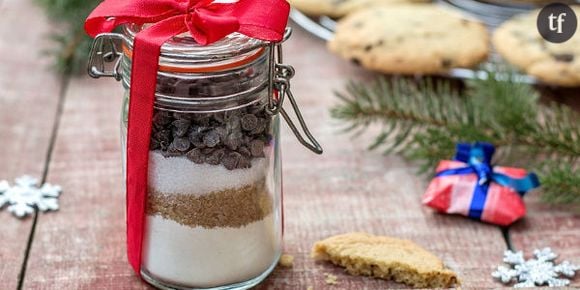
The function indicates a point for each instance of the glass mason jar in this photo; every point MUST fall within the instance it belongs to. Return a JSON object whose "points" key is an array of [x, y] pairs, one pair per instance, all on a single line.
{"points": [[214, 203]]}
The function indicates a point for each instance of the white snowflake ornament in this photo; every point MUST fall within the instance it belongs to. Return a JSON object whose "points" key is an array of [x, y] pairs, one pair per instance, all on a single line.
{"points": [[504, 274], [513, 258], [567, 269], [545, 254], [25, 196], [538, 271]]}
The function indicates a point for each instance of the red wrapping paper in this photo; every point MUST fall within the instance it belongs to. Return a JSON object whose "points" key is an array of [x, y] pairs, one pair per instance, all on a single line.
{"points": [[453, 194]]}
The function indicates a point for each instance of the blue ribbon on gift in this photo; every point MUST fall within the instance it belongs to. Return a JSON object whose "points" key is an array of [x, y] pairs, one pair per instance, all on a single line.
{"points": [[478, 158]]}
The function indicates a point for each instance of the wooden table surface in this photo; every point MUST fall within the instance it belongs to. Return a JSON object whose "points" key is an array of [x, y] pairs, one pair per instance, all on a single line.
{"points": [[66, 132]]}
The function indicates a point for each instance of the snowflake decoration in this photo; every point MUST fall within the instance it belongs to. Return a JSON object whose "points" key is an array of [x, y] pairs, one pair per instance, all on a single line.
{"points": [[25, 196], [538, 271]]}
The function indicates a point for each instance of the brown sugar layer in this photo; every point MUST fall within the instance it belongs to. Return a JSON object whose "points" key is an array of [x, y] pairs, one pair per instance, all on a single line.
{"points": [[234, 208], [386, 258]]}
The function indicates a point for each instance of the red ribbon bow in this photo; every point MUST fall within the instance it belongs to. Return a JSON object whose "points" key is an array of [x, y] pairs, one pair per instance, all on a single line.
{"points": [[207, 21]]}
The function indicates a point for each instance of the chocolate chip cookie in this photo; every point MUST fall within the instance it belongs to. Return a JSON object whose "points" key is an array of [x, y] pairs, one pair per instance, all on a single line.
{"points": [[520, 43], [410, 39], [339, 8]]}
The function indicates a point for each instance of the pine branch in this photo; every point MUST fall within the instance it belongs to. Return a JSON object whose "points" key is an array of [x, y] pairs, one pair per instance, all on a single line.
{"points": [[71, 44], [424, 120], [560, 183]]}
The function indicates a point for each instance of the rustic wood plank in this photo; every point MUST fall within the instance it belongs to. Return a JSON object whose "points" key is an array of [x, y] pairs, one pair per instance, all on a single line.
{"points": [[29, 95], [351, 189], [346, 189], [549, 225], [83, 245], [546, 225]]}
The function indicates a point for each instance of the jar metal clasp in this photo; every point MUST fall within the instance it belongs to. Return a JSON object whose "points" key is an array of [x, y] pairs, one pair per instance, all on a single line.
{"points": [[103, 52], [279, 88]]}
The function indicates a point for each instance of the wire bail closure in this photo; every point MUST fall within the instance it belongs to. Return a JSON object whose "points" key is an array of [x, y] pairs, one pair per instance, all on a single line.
{"points": [[104, 51], [279, 87]]}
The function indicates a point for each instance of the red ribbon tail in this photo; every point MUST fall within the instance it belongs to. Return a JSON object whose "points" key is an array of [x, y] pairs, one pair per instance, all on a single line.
{"points": [[146, 50]]}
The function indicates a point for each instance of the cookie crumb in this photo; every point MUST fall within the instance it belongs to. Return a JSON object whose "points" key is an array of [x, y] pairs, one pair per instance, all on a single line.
{"points": [[286, 261], [330, 279]]}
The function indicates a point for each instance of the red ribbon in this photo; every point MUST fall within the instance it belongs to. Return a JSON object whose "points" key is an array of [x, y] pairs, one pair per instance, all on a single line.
{"points": [[207, 22]]}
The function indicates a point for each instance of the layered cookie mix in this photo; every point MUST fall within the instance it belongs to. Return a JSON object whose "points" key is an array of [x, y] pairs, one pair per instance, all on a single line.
{"points": [[410, 39], [210, 210]]}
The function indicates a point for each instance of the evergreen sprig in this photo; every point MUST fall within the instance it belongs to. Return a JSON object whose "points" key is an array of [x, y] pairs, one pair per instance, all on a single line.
{"points": [[71, 43], [423, 120]]}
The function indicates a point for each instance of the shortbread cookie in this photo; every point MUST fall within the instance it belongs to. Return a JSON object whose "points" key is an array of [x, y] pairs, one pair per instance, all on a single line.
{"points": [[410, 39], [386, 258], [339, 8], [520, 43]]}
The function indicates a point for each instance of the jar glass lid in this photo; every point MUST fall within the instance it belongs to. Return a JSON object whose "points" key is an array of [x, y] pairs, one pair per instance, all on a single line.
{"points": [[184, 49]]}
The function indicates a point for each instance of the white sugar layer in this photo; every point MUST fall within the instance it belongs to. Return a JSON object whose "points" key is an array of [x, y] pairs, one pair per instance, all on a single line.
{"points": [[200, 257], [179, 175]]}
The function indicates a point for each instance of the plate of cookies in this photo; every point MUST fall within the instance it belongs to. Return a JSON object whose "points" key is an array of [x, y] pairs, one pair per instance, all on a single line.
{"points": [[454, 38]]}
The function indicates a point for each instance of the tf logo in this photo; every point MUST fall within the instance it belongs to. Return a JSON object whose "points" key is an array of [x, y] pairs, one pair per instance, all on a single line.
{"points": [[557, 23]]}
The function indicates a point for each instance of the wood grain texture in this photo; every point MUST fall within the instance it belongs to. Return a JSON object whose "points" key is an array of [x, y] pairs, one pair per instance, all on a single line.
{"points": [[346, 189], [351, 189], [83, 245], [28, 104], [545, 225]]}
